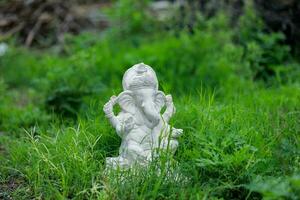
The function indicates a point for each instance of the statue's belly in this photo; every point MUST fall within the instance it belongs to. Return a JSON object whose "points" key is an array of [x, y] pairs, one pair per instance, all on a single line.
{"points": [[140, 134]]}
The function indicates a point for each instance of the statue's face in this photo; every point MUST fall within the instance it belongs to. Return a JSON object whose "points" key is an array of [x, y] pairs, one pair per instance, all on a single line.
{"points": [[144, 96], [147, 101], [141, 96]]}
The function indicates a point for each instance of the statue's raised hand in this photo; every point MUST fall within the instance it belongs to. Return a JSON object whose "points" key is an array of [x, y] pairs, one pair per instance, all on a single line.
{"points": [[170, 104], [169, 100], [108, 107]]}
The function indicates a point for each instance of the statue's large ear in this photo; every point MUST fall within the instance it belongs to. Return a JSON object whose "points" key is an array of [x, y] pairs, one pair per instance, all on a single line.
{"points": [[126, 101], [160, 100]]}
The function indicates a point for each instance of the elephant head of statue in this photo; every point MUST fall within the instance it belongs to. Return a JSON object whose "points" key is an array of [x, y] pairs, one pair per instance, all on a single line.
{"points": [[141, 96]]}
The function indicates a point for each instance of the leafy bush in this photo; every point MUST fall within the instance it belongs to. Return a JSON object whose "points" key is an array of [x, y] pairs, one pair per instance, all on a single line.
{"points": [[264, 52], [277, 187], [131, 17]]}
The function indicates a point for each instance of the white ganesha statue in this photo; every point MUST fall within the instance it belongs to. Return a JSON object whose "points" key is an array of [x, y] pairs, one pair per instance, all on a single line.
{"points": [[140, 123]]}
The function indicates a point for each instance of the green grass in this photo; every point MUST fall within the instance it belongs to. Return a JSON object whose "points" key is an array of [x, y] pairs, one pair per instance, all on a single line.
{"points": [[241, 128], [229, 142]]}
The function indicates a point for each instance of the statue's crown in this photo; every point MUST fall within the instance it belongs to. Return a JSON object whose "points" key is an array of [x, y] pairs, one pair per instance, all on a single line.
{"points": [[140, 76]]}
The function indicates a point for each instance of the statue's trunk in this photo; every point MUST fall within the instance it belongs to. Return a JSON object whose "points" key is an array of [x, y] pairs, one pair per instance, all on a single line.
{"points": [[151, 113]]}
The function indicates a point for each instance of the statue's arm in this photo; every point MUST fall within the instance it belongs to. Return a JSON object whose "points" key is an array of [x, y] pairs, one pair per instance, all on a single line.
{"points": [[109, 113], [170, 109]]}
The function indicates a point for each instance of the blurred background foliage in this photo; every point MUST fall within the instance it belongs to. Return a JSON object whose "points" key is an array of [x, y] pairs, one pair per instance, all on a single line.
{"points": [[231, 65]]}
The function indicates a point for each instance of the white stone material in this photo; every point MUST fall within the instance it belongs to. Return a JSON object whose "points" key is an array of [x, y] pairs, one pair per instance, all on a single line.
{"points": [[140, 123]]}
